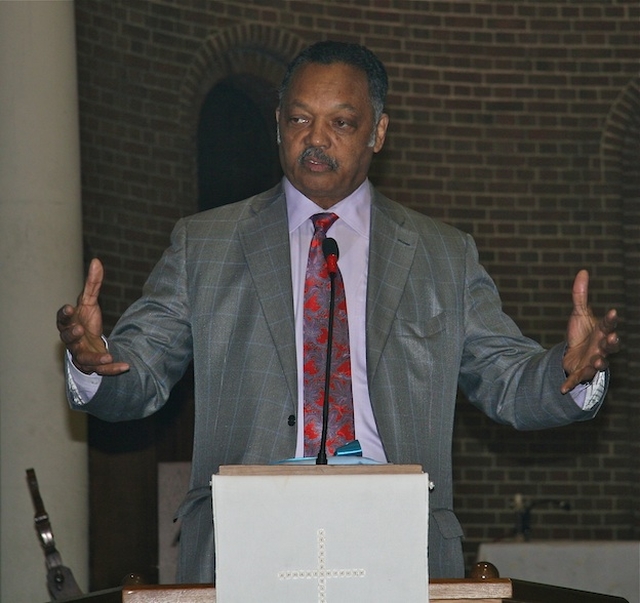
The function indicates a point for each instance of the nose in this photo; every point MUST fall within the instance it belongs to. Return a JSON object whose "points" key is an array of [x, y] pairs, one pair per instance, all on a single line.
{"points": [[317, 135]]}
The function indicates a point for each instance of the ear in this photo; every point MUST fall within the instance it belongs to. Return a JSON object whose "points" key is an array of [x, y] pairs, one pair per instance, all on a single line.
{"points": [[381, 132]]}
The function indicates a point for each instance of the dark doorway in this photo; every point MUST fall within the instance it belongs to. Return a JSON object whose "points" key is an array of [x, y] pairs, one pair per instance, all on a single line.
{"points": [[237, 147]]}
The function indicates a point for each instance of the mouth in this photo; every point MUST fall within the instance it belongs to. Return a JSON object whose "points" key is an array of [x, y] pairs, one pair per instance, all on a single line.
{"points": [[315, 160]]}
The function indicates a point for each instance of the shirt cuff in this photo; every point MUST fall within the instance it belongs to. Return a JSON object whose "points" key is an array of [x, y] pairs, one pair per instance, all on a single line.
{"points": [[82, 387], [589, 395]]}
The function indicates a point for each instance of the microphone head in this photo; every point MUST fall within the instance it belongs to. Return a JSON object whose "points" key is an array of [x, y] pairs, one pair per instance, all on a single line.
{"points": [[330, 247]]}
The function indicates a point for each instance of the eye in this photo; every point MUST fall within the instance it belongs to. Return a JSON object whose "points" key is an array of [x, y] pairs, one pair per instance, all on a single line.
{"points": [[298, 120], [344, 124]]}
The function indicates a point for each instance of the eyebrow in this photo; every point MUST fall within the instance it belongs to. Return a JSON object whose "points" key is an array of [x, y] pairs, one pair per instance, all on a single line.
{"points": [[340, 106]]}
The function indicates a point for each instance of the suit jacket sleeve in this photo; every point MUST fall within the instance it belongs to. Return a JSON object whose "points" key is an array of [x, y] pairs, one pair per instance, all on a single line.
{"points": [[154, 337], [510, 377]]}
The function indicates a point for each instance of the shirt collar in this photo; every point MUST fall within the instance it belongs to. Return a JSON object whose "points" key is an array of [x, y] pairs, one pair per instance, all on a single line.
{"points": [[354, 210]]}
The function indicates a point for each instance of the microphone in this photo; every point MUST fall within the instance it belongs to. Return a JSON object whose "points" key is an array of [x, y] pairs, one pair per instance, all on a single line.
{"points": [[331, 253]]}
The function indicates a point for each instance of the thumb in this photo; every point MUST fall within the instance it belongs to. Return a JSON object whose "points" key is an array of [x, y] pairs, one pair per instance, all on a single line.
{"points": [[93, 283], [580, 292]]}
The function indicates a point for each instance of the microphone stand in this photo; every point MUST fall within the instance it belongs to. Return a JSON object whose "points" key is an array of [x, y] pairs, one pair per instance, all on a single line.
{"points": [[332, 263]]}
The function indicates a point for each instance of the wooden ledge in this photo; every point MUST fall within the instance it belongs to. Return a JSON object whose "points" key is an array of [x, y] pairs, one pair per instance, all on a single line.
{"points": [[295, 469], [440, 591]]}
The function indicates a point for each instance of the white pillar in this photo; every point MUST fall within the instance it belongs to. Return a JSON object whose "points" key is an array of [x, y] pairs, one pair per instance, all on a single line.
{"points": [[40, 269]]}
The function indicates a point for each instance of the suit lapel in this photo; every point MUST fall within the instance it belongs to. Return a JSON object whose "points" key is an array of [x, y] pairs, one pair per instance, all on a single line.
{"points": [[391, 251], [265, 239]]}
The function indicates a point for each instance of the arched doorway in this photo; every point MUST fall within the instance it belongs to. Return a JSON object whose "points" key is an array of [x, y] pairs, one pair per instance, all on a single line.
{"points": [[237, 147]]}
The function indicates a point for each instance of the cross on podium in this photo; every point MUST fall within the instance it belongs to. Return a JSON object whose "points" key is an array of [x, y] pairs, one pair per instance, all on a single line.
{"points": [[321, 573]]}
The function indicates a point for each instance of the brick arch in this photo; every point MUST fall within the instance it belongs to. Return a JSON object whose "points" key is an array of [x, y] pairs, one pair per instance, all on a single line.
{"points": [[620, 164], [620, 155], [623, 115], [249, 49]]}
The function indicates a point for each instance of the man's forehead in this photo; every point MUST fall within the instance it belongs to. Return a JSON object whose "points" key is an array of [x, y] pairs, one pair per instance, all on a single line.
{"points": [[318, 78]]}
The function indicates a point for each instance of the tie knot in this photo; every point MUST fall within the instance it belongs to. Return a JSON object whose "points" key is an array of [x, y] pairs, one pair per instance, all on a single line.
{"points": [[322, 222]]}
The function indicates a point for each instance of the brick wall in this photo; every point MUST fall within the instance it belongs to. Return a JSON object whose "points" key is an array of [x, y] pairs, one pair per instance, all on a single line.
{"points": [[515, 121]]}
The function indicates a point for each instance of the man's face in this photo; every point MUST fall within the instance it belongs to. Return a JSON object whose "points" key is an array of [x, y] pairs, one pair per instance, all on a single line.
{"points": [[326, 123]]}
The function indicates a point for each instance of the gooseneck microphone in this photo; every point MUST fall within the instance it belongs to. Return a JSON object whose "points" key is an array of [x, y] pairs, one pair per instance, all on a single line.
{"points": [[331, 254], [330, 251]]}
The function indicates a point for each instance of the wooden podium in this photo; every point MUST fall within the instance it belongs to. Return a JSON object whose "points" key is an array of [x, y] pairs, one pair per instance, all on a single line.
{"points": [[484, 587], [498, 590]]}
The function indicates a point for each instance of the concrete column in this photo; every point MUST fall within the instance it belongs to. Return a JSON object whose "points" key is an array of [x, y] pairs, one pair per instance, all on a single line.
{"points": [[40, 269]]}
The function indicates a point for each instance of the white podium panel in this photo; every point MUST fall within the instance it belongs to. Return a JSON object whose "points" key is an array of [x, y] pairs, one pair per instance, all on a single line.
{"points": [[321, 538]]}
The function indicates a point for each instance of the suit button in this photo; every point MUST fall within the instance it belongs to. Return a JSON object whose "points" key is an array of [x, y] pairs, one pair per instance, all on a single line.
{"points": [[292, 420]]}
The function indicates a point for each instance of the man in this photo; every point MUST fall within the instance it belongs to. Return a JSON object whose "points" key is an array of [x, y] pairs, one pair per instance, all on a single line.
{"points": [[424, 317]]}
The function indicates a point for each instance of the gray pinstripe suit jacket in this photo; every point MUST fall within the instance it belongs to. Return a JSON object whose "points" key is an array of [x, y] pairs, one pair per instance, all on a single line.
{"points": [[221, 296]]}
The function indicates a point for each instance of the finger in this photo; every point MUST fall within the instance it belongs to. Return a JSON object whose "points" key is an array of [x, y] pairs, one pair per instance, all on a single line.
{"points": [[570, 382], [100, 362], [113, 369], [95, 276], [71, 334], [580, 292], [610, 344], [610, 321], [576, 378], [88, 358], [106, 370], [597, 364], [600, 364], [64, 316]]}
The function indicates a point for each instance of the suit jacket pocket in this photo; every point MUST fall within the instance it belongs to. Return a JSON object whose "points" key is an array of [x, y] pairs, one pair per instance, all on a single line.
{"points": [[192, 501], [419, 328], [447, 523]]}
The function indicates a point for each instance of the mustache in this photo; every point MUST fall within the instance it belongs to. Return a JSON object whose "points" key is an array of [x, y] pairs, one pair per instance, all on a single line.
{"points": [[319, 155]]}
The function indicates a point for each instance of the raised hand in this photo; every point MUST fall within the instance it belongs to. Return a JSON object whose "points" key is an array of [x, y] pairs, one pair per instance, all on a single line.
{"points": [[589, 340], [81, 328]]}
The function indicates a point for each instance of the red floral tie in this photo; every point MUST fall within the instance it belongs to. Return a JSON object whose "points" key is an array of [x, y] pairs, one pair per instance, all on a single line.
{"points": [[317, 291]]}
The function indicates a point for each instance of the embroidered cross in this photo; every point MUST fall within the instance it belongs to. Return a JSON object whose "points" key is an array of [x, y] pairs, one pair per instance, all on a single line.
{"points": [[321, 573]]}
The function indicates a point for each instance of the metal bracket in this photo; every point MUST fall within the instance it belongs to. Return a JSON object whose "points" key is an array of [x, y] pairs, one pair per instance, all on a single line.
{"points": [[60, 581]]}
